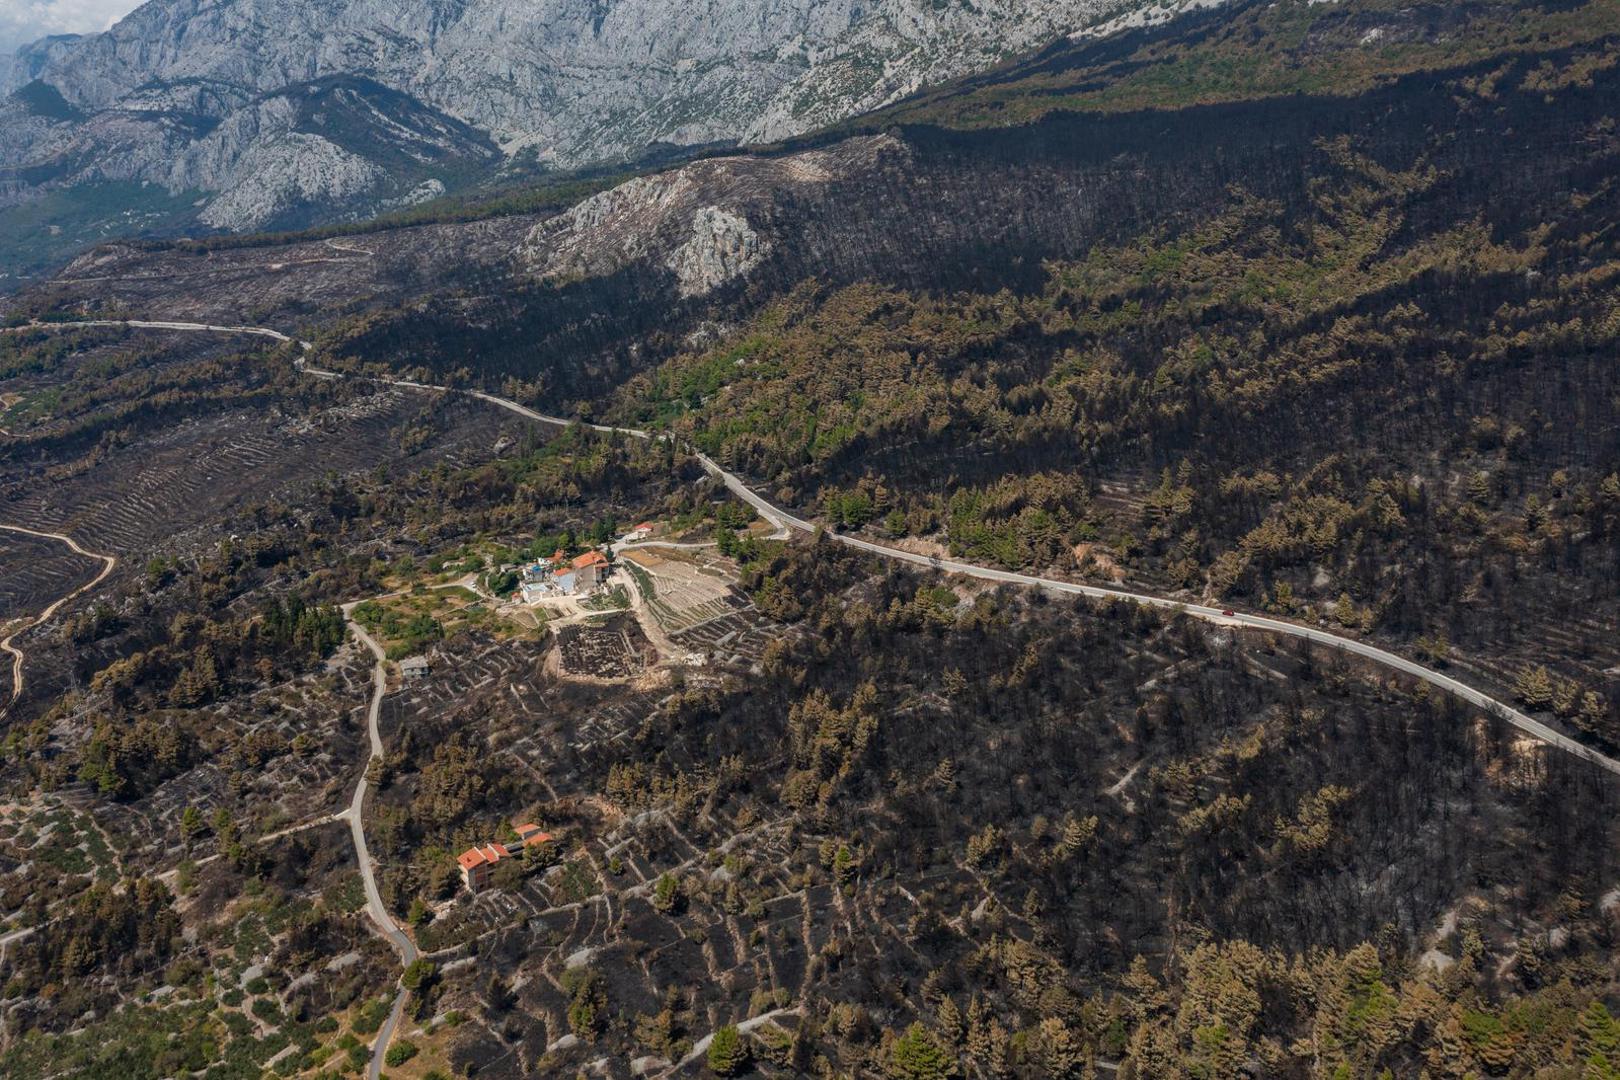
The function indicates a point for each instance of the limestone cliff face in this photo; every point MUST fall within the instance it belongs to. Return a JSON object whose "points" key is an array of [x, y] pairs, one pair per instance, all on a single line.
{"points": [[236, 99], [708, 223], [722, 248]]}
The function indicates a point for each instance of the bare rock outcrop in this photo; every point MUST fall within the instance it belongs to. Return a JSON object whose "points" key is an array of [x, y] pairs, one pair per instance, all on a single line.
{"points": [[708, 223], [451, 90]]}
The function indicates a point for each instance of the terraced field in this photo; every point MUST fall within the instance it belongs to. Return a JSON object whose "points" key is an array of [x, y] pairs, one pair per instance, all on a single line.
{"points": [[37, 572], [316, 726], [694, 602], [737, 637], [184, 479], [576, 914], [42, 575], [615, 720], [615, 649], [682, 591], [167, 492], [484, 668]]}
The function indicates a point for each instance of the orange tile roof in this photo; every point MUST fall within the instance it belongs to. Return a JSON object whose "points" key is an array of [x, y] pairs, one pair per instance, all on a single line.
{"points": [[478, 856], [528, 835], [590, 558]]}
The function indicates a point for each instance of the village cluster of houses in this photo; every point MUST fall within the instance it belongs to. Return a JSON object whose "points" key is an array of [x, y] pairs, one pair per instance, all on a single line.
{"points": [[579, 576], [478, 863], [562, 576]]}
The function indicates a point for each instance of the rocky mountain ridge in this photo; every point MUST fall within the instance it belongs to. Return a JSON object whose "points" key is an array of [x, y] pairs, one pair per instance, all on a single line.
{"points": [[271, 113]]}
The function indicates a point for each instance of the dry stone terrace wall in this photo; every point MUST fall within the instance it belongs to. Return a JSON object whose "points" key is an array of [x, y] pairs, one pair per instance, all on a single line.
{"points": [[546, 928], [530, 719], [677, 620], [468, 670], [172, 491], [37, 571], [693, 600], [186, 478], [560, 737], [612, 722], [596, 910], [289, 282], [289, 788], [614, 650], [683, 591], [735, 638]]}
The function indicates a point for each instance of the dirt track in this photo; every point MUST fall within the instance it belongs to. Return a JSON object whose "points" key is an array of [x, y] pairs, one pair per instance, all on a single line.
{"points": [[109, 562]]}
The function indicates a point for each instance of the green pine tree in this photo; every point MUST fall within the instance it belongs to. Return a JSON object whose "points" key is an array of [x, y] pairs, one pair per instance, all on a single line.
{"points": [[1534, 687], [917, 1055], [728, 1052]]}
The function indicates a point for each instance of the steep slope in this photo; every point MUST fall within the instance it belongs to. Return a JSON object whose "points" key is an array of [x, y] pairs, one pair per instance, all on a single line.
{"points": [[1309, 307], [227, 100], [1262, 290]]}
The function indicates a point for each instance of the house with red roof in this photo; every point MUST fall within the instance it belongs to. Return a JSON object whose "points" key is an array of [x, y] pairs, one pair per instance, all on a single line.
{"points": [[478, 863], [562, 576], [589, 570]]}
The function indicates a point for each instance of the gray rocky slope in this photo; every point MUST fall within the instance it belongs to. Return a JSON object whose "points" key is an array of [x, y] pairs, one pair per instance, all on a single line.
{"points": [[277, 111]]}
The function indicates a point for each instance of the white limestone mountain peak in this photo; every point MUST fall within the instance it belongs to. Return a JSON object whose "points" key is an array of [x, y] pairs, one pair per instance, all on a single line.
{"points": [[331, 108]]}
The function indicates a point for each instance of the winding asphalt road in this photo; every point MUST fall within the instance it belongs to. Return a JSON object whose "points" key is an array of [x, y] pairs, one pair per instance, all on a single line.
{"points": [[786, 521], [1219, 616]]}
